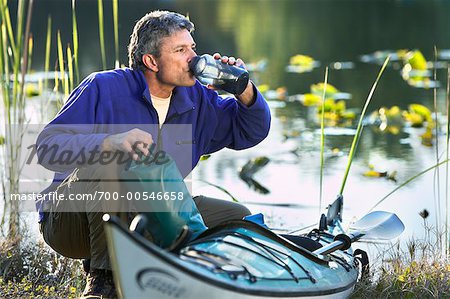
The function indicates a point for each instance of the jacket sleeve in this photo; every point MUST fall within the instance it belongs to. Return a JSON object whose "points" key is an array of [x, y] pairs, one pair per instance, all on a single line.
{"points": [[71, 138], [236, 125]]}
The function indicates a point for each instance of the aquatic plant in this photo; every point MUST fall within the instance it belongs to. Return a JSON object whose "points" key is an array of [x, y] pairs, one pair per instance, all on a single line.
{"points": [[75, 42], [101, 31], [360, 127], [414, 271], [14, 59]]}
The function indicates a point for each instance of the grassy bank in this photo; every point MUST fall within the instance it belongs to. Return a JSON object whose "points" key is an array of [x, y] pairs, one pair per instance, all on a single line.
{"points": [[35, 271], [419, 271]]}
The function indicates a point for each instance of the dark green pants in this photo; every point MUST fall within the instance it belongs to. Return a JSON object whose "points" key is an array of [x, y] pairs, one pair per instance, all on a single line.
{"points": [[75, 229]]}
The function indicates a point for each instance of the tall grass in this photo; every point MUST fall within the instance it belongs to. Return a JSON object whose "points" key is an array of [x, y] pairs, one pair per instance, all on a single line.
{"points": [[437, 190], [116, 31], [447, 211], [415, 272], [30, 52], [322, 140], [75, 42], [48, 45], [412, 178], [101, 31], [70, 67], [360, 126], [14, 58], [62, 72]]}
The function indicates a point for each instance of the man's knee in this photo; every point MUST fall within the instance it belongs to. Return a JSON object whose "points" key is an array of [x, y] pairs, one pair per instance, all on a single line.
{"points": [[65, 235], [242, 211]]}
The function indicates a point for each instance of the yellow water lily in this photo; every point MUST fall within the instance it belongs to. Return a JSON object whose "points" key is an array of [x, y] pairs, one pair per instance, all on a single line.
{"points": [[427, 137], [416, 120], [329, 105], [416, 59], [31, 90], [374, 174], [301, 60], [402, 53], [319, 87], [204, 157], [310, 99], [421, 110], [394, 111], [263, 88]]}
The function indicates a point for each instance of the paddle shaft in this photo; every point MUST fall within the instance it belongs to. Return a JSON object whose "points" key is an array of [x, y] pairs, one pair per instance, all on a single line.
{"points": [[341, 242]]}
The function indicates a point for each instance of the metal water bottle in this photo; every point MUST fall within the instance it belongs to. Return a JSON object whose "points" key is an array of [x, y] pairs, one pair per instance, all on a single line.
{"points": [[221, 75]]}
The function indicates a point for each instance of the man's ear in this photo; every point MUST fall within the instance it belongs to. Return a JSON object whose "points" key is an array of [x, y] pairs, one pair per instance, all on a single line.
{"points": [[150, 62]]}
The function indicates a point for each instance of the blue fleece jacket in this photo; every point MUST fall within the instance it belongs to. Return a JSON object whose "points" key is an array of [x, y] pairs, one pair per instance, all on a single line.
{"points": [[115, 101]]}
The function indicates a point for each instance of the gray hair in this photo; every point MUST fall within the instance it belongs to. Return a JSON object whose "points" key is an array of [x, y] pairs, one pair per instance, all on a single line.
{"points": [[149, 32]]}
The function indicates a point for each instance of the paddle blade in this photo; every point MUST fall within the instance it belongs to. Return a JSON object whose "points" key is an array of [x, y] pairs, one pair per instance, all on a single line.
{"points": [[379, 225]]}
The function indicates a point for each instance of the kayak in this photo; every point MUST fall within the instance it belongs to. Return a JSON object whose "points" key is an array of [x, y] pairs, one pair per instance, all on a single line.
{"points": [[238, 259]]}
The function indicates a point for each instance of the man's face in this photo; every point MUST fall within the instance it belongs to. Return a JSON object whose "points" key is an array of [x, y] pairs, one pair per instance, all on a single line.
{"points": [[176, 52]]}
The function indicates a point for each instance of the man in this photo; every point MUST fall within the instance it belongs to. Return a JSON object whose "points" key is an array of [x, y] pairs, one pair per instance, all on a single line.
{"points": [[158, 89]]}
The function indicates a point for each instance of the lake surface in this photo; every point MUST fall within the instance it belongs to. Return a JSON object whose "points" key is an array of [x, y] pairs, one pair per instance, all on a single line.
{"points": [[331, 32]]}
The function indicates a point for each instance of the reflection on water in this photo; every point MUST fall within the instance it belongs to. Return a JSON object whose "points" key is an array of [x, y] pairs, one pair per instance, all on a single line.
{"points": [[336, 34]]}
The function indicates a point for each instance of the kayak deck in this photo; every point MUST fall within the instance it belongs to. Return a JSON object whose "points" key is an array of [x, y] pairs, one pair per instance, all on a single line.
{"points": [[239, 259]]}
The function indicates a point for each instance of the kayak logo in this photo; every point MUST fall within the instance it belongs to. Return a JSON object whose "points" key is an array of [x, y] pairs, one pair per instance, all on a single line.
{"points": [[160, 281]]}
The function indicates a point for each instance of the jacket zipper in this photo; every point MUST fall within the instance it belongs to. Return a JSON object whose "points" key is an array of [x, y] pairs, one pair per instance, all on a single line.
{"points": [[172, 117]]}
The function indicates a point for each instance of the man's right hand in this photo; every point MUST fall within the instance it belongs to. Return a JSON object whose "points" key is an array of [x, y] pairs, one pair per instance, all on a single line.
{"points": [[129, 142]]}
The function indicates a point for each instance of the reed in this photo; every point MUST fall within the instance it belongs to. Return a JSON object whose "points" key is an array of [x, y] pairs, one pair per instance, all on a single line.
{"points": [[101, 27], [116, 31], [56, 87], [437, 191], [407, 182], [322, 140], [48, 45], [447, 211], [14, 58], [221, 189], [70, 67], [75, 42], [30, 52], [415, 272], [360, 126], [62, 72]]}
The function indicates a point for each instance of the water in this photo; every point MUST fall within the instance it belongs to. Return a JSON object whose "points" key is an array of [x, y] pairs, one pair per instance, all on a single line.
{"points": [[335, 34]]}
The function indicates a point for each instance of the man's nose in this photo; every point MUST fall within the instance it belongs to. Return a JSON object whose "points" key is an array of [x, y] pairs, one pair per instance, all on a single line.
{"points": [[192, 54]]}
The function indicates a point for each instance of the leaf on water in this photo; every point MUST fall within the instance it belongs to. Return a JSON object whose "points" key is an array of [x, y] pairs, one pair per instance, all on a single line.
{"points": [[424, 213], [205, 157], [254, 165], [416, 59], [301, 60], [392, 176], [375, 174], [427, 137], [248, 171], [31, 90], [318, 89], [301, 64]]}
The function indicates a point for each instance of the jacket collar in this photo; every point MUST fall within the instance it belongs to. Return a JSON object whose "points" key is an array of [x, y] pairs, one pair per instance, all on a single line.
{"points": [[181, 101]]}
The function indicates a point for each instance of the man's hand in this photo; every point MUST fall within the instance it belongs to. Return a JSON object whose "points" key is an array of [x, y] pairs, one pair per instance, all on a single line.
{"points": [[131, 142], [248, 96]]}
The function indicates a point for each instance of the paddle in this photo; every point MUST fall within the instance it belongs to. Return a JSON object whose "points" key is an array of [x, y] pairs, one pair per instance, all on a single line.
{"points": [[375, 225]]}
